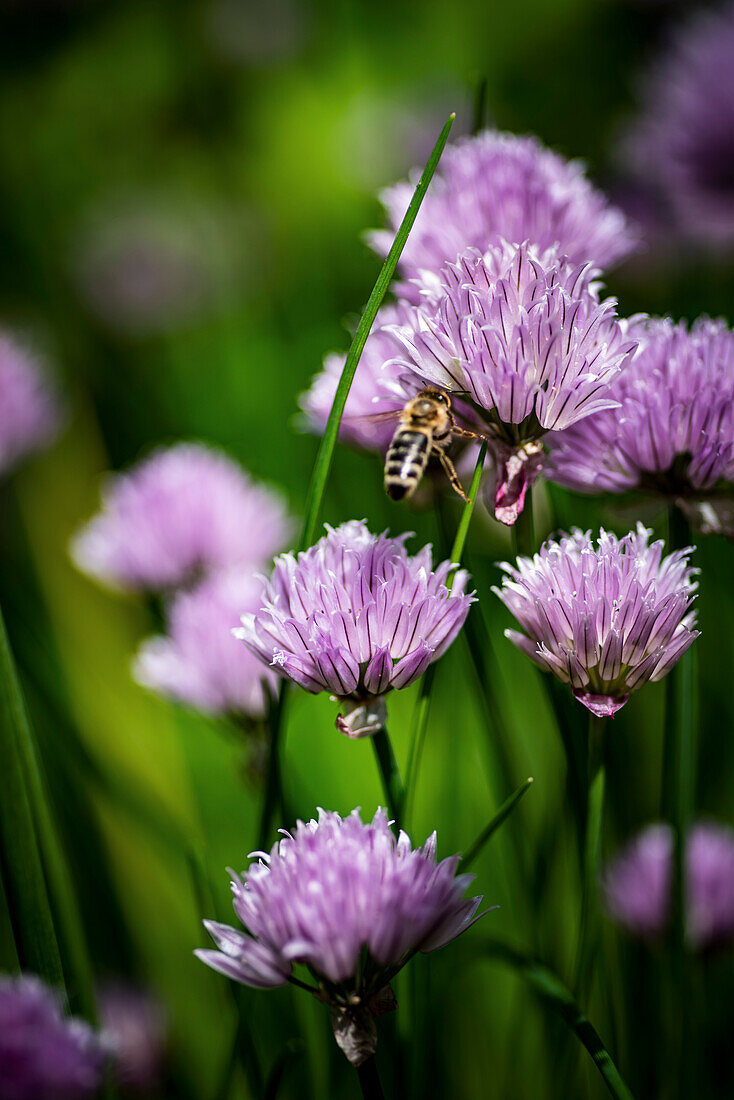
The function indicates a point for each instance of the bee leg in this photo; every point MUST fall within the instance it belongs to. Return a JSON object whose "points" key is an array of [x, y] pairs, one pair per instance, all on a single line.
{"points": [[464, 433], [450, 472]]}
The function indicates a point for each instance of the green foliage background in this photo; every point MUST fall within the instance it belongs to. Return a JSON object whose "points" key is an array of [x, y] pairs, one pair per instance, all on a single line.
{"points": [[102, 101]]}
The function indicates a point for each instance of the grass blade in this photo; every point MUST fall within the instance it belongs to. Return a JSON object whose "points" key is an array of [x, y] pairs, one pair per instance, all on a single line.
{"points": [[20, 860], [326, 450], [555, 994], [468, 510], [502, 814]]}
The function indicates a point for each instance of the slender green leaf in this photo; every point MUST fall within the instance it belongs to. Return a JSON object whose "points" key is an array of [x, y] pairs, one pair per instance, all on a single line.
{"points": [[468, 510], [420, 718], [556, 995], [523, 529], [25, 886], [326, 450], [502, 814], [387, 766], [589, 931]]}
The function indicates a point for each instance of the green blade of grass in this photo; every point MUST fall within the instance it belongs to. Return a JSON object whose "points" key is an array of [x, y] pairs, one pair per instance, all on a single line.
{"points": [[502, 814], [555, 994], [25, 886], [325, 455], [420, 722], [322, 465]]}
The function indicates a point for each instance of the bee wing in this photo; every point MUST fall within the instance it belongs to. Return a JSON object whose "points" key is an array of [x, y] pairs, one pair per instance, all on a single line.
{"points": [[385, 417]]}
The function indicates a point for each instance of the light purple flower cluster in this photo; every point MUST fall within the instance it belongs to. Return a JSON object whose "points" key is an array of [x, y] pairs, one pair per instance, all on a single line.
{"points": [[356, 616], [29, 409], [637, 884], [43, 1054], [524, 336], [333, 890], [495, 186], [198, 662], [603, 619], [683, 143], [370, 392], [134, 1027], [183, 511], [674, 430]]}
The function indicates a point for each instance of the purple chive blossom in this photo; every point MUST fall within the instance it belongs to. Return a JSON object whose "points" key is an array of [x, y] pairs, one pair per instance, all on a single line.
{"points": [[135, 1029], [198, 662], [370, 392], [524, 335], [29, 411], [674, 430], [682, 145], [603, 619], [351, 902], [356, 616], [637, 884], [499, 186], [43, 1054], [183, 511]]}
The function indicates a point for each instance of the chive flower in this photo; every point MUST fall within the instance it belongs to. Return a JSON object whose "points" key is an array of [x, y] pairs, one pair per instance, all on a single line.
{"points": [[523, 336], [604, 619], [636, 885], [500, 186], [673, 432], [197, 661], [370, 392], [682, 143], [44, 1055], [182, 512], [135, 1029], [351, 902], [29, 408], [354, 615]]}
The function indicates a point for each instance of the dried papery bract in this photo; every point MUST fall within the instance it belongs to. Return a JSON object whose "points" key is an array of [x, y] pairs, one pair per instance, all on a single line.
{"points": [[184, 511], [357, 617], [42, 1052], [603, 618], [499, 185], [353, 903], [523, 337], [29, 406], [673, 433], [637, 884]]}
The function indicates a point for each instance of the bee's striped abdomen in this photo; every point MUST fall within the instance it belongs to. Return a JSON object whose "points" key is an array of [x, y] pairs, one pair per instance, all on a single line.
{"points": [[405, 462]]}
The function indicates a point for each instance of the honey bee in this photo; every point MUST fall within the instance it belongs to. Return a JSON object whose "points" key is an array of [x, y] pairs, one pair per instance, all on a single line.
{"points": [[426, 427]]}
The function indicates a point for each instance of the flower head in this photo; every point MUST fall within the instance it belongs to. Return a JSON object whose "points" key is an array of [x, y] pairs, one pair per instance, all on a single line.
{"points": [[348, 900], [185, 510], [683, 142], [43, 1054], [29, 410], [198, 662], [356, 616], [603, 619], [637, 884], [369, 392], [674, 429], [135, 1028], [495, 186], [524, 336]]}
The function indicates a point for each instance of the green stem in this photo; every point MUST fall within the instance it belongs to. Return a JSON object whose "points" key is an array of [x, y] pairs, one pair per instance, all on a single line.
{"points": [[502, 814], [30, 913], [589, 935], [389, 773], [369, 1080], [523, 530], [273, 796], [678, 799]]}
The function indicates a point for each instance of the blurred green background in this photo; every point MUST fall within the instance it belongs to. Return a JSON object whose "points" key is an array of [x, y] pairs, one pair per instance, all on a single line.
{"points": [[233, 150]]}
